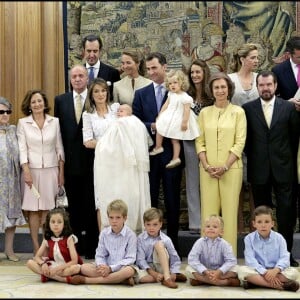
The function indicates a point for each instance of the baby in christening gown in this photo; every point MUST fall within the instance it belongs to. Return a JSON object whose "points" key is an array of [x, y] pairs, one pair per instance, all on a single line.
{"points": [[175, 120], [121, 167]]}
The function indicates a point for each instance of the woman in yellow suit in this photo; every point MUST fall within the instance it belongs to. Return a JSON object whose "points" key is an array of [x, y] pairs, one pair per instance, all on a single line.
{"points": [[219, 147]]}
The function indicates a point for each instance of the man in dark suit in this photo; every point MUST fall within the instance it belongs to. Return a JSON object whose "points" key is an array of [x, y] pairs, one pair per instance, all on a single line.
{"points": [[146, 107], [287, 74], [92, 46], [287, 71], [271, 152], [79, 161]]}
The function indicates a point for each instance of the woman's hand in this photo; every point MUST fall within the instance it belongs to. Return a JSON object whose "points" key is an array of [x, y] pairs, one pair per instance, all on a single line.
{"points": [[28, 177], [91, 144], [216, 172]]}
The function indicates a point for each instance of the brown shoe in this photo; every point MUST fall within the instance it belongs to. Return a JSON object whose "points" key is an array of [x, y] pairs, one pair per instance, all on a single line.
{"points": [[129, 281], [194, 282], [291, 285], [77, 279], [234, 282], [248, 285], [180, 277], [169, 283]]}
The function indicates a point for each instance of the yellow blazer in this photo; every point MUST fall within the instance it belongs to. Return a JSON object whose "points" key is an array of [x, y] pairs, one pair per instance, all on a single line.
{"points": [[222, 131]]}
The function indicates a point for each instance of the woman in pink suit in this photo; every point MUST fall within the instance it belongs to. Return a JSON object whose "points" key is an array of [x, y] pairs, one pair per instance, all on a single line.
{"points": [[42, 160]]}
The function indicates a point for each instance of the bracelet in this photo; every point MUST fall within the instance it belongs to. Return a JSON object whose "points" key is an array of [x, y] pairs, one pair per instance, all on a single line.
{"points": [[207, 167], [225, 168]]}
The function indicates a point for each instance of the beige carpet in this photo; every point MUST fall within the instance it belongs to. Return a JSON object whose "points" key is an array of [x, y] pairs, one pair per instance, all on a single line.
{"points": [[17, 281]]}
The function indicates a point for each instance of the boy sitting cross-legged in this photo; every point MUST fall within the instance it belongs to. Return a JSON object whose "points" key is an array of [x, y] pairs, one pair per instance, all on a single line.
{"points": [[266, 256], [116, 251]]}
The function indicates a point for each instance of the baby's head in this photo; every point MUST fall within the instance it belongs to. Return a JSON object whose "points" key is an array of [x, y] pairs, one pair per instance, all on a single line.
{"points": [[124, 110]]}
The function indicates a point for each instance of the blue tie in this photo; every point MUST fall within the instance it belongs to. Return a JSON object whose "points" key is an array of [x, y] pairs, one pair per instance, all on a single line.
{"points": [[159, 97], [91, 74]]}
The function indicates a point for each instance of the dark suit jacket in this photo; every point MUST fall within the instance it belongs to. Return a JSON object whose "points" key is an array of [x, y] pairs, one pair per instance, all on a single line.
{"points": [[271, 150], [144, 106], [75, 151], [109, 73], [287, 84]]}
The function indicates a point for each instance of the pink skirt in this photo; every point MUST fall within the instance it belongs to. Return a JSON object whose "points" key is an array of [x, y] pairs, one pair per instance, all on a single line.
{"points": [[46, 183]]}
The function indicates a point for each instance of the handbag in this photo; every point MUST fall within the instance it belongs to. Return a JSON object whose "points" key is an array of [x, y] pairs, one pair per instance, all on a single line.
{"points": [[61, 199]]}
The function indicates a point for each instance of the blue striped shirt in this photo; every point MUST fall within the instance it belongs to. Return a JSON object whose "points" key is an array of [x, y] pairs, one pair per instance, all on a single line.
{"points": [[211, 254], [262, 254], [145, 248], [116, 250]]}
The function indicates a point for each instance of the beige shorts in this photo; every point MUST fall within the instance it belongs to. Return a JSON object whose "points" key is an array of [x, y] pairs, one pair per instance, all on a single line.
{"points": [[245, 271], [189, 271], [155, 265]]}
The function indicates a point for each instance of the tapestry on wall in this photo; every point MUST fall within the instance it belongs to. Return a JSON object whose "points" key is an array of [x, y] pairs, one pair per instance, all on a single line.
{"points": [[210, 30]]}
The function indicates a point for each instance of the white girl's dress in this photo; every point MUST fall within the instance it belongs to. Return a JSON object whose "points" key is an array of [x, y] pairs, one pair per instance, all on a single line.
{"points": [[168, 123]]}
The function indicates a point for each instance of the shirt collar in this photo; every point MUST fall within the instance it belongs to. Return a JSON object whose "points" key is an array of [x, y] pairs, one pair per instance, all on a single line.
{"points": [[271, 102], [96, 65]]}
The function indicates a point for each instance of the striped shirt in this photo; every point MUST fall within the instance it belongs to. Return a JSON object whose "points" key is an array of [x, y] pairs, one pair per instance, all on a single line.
{"points": [[116, 250], [211, 254], [145, 247]]}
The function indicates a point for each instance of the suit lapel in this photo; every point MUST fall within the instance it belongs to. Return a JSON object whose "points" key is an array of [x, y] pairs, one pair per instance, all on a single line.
{"points": [[276, 112], [259, 112]]}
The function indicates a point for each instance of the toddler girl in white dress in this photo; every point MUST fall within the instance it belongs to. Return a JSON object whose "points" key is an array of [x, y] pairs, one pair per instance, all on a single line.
{"points": [[175, 119]]}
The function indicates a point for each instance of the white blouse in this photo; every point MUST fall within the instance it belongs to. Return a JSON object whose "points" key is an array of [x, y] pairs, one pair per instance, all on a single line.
{"points": [[94, 126]]}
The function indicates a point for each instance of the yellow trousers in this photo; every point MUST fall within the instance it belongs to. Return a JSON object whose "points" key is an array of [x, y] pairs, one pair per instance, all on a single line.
{"points": [[221, 197]]}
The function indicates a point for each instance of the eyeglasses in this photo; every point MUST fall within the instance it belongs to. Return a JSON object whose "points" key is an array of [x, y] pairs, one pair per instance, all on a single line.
{"points": [[8, 112]]}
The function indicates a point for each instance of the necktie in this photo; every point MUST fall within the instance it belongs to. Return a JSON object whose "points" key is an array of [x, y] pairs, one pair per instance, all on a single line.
{"points": [[78, 107], [267, 113], [91, 74], [298, 75], [159, 97]]}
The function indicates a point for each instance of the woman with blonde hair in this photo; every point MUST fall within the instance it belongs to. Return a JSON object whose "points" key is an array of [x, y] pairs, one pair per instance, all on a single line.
{"points": [[244, 63]]}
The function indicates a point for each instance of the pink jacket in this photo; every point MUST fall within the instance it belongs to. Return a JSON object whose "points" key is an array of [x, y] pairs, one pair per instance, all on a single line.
{"points": [[41, 148]]}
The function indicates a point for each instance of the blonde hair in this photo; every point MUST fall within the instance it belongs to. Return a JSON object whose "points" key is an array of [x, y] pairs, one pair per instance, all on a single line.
{"points": [[180, 76], [217, 218], [242, 51], [117, 205], [153, 213]]}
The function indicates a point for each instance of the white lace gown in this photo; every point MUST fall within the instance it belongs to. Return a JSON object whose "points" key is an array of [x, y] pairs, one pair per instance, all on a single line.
{"points": [[121, 169], [168, 123]]}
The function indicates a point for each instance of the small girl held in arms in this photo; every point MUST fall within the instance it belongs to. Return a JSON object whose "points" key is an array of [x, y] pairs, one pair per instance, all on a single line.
{"points": [[175, 119], [62, 259]]}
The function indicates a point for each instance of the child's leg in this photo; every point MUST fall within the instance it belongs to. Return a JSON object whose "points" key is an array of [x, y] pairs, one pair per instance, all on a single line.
{"points": [[158, 145], [114, 277], [34, 266], [163, 259], [259, 280], [159, 139], [176, 148]]}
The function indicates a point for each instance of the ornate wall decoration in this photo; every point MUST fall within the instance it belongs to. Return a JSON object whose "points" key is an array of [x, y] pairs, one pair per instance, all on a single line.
{"points": [[211, 30]]}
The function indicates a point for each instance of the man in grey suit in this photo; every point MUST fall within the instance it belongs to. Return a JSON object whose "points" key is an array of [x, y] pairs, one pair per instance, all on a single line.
{"points": [[92, 46], [271, 151]]}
